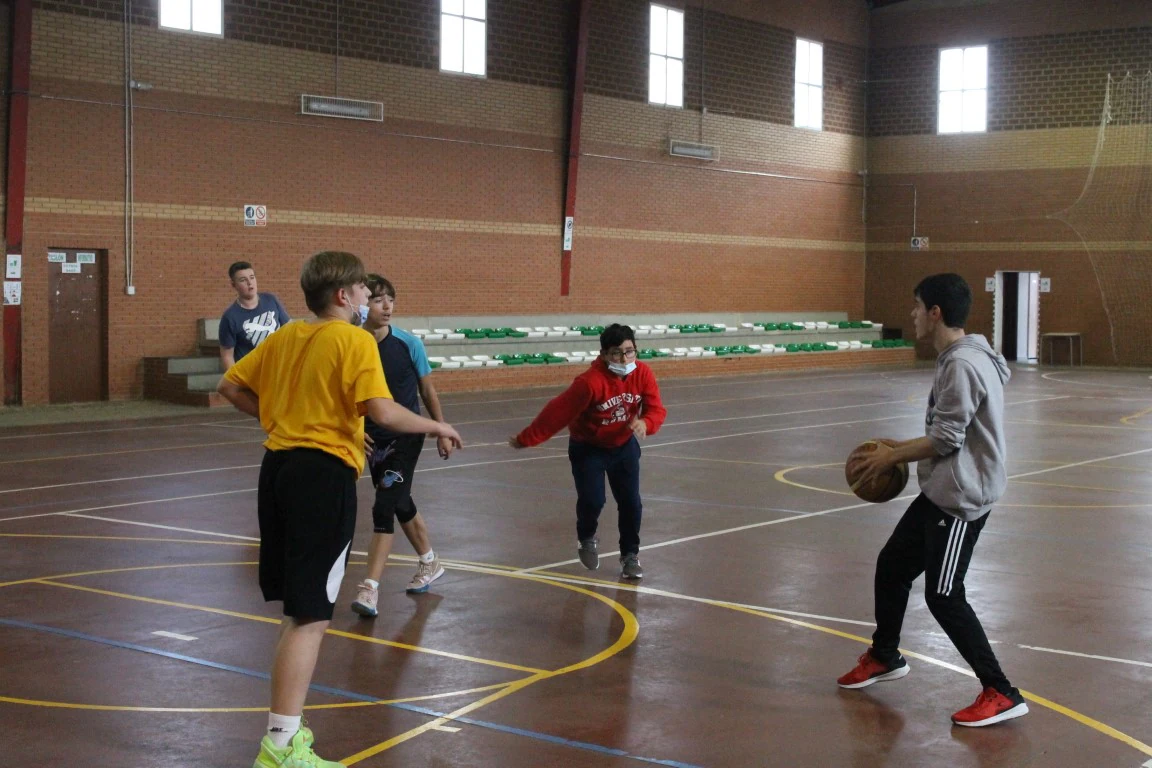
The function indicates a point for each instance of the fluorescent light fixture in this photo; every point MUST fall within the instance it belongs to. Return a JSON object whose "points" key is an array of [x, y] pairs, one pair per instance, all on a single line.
{"points": [[690, 149], [331, 106]]}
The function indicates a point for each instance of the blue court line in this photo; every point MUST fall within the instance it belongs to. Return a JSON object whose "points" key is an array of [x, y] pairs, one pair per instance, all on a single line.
{"points": [[347, 694]]}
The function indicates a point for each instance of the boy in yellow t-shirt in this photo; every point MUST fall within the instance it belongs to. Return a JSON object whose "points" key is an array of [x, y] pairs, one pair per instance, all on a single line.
{"points": [[310, 384]]}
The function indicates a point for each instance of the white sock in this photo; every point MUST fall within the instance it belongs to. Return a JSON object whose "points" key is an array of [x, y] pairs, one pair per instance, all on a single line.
{"points": [[428, 557], [372, 583], [281, 729]]}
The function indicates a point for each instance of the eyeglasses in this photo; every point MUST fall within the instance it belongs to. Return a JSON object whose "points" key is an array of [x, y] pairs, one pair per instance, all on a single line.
{"points": [[621, 354]]}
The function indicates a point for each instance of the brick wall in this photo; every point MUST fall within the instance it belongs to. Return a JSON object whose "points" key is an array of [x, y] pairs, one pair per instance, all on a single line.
{"points": [[998, 201], [458, 193], [1050, 81]]}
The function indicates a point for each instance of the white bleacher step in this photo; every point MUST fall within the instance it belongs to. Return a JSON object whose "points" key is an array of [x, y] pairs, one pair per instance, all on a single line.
{"points": [[460, 358], [481, 358], [554, 334], [433, 336], [473, 364], [542, 328], [643, 331], [493, 363], [445, 331], [451, 364], [454, 336], [708, 353], [421, 332]]}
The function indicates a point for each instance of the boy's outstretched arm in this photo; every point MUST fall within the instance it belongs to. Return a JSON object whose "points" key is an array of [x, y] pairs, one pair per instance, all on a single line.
{"points": [[390, 415], [559, 413]]}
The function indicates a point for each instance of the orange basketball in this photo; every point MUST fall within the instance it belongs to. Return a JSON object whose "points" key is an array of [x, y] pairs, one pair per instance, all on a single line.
{"points": [[883, 488]]}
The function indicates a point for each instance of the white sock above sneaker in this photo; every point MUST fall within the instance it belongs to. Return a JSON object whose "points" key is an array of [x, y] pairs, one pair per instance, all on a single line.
{"points": [[372, 583], [281, 729], [428, 557]]}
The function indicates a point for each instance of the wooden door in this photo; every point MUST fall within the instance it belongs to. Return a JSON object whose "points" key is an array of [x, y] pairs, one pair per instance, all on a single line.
{"points": [[77, 326]]}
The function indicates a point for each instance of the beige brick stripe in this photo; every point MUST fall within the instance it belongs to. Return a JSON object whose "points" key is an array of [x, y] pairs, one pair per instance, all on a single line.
{"points": [[276, 217], [232, 215], [1099, 245]]}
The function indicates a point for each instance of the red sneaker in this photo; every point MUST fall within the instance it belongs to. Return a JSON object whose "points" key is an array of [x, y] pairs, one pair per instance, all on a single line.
{"points": [[991, 707], [869, 670]]}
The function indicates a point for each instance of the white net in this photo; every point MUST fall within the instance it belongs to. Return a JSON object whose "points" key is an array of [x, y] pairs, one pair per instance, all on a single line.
{"points": [[1113, 217]]}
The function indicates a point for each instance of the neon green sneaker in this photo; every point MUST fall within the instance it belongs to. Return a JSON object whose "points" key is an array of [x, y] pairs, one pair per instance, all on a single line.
{"points": [[298, 754]]}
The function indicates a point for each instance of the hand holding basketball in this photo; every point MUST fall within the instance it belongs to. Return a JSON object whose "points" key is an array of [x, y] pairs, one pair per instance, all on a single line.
{"points": [[873, 473]]}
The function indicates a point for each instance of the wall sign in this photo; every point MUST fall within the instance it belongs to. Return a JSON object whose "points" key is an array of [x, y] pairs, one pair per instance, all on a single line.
{"points": [[255, 215], [12, 266], [70, 268], [1045, 285], [56, 257], [990, 285], [11, 293], [85, 258], [569, 225]]}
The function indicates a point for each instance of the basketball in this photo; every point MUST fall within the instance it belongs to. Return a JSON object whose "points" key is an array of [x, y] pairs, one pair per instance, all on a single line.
{"points": [[885, 487]]}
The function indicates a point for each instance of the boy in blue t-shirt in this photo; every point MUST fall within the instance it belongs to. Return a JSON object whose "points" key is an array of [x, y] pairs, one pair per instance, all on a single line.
{"points": [[250, 319], [392, 456]]}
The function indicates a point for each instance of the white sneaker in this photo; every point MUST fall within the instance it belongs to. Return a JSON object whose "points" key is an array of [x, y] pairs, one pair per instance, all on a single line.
{"points": [[426, 573], [365, 603]]}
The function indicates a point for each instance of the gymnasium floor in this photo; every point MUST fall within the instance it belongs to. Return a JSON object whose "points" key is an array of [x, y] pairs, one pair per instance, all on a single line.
{"points": [[757, 594]]}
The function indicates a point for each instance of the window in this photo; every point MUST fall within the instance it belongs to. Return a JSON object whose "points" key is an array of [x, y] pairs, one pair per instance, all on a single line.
{"points": [[666, 57], [463, 31], [205, 16], [809, 84], [963, 90]]}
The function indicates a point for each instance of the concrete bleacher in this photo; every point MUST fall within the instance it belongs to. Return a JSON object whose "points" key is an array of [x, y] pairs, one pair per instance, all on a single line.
{"points": [[554, 339]]}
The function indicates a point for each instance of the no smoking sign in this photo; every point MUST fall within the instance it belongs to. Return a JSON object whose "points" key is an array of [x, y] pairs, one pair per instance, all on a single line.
{"points": [[255, 215]]}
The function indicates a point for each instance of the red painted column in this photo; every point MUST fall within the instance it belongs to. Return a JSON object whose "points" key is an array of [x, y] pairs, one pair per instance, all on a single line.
{"points": [[574, 146], [17, 178]]}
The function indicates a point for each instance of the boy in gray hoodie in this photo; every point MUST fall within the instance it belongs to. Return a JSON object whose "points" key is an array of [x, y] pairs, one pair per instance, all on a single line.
{"points": [[960, 466]]}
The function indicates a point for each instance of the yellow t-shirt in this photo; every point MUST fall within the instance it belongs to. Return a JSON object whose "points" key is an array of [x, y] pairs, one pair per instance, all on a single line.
{"points": [[312, 379]]}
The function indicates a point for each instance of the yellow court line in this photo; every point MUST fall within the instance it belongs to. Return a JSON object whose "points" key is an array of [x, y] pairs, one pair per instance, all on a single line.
{"points": [[223, 710], [782, 477], [77, 574], [270, 620], [626, 638], [1132, 417], [1083, 719], [133, 450]]}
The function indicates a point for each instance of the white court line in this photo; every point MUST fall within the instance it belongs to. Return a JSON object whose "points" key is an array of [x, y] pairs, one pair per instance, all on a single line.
{"points": [[723, 532], [1049, 377], [218, 425], [1087, 656], [128, 504], [162, 526], [113, 429], [175, 636], [1078, 464], [593, 583], [560, 455], [433, 448], [124, 479]]}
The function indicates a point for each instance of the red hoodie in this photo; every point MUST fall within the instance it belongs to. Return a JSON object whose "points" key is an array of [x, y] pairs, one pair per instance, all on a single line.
{"points": [[598, 407]]}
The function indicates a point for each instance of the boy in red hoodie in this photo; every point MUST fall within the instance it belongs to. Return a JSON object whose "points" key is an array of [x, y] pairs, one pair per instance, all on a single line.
{"points": [[607, 410]]}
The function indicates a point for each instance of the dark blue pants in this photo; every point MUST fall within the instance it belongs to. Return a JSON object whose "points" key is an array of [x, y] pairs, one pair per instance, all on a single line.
{"points": [[622, 466]]}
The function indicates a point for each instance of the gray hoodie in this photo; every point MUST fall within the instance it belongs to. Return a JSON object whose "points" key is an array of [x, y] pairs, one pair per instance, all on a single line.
{"points": [[965, 422]]}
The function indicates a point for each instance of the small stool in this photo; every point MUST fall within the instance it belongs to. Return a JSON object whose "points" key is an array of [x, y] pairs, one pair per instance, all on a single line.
{"points": [[1073, 340]]}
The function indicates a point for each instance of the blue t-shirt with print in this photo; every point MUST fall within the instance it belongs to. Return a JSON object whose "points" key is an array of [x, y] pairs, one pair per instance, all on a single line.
{"points": [[405, 362], [243, 329]]}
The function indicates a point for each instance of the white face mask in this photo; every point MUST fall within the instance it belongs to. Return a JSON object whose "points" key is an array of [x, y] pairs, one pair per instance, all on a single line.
{"points": [[621, 369], [361, 315]]}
